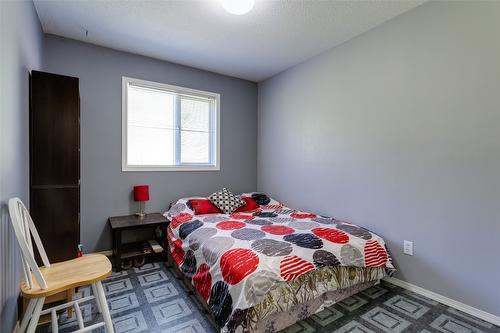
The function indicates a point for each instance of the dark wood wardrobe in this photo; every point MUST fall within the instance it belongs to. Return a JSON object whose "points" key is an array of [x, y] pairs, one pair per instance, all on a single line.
{"points": [[55, 163]]}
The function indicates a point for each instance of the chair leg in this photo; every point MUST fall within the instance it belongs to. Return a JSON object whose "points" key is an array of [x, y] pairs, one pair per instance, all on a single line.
{"points": [[94, 291], [27, 315], [104, 307], [70, 293], [36, 315]]}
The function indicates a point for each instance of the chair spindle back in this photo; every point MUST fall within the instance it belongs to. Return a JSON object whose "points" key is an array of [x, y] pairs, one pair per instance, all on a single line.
{"points": [[24, 229]]}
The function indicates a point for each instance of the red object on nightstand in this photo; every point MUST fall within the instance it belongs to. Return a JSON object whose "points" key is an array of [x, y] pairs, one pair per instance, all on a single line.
{"points": [[141, 193]]}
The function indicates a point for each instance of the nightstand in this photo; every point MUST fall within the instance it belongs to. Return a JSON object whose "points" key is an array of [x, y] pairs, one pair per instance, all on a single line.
{"points": [[130, 251]]}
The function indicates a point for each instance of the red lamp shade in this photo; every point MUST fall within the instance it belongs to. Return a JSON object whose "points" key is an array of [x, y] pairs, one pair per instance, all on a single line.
{"points": [[141, 193]]}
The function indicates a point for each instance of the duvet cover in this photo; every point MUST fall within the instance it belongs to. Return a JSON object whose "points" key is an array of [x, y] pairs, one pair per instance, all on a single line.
{"points": [[236, 261]]}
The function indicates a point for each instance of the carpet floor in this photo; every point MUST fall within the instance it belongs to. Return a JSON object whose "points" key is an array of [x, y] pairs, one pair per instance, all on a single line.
{"points": [[151, 299]]}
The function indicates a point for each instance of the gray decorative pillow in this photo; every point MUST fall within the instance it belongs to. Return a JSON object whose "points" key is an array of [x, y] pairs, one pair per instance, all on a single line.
{"points": [[226, 201]]}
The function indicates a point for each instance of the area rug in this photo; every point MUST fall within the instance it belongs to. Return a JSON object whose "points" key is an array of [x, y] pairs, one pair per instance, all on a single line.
{"points": [[151, 299]]}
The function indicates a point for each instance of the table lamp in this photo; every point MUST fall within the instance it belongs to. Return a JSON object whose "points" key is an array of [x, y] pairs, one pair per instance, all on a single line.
{"points": [[141, 194]]}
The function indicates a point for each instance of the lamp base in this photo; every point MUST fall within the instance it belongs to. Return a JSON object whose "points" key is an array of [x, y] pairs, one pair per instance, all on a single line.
{"points": [[141, 212]]}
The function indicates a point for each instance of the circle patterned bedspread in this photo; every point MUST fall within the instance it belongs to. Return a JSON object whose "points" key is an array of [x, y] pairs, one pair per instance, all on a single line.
{"points": [[232, 258]]}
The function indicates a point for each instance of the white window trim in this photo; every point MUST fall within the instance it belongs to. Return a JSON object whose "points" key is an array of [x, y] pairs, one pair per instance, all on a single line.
{"points": [[175, 89]]}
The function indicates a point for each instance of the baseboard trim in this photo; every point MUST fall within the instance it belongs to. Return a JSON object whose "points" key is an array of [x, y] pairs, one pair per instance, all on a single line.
{"points": [[489, 317]]}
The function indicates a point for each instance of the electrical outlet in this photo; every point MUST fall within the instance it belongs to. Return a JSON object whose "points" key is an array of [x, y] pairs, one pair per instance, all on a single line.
{"points": [[408, 248]]}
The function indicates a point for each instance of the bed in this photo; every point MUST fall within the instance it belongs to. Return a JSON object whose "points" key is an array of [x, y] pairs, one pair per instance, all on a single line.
{"points": [[264, 269]]}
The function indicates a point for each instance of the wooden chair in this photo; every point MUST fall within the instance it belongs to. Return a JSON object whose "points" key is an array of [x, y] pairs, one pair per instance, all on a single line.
{"points": [[41, 282]]}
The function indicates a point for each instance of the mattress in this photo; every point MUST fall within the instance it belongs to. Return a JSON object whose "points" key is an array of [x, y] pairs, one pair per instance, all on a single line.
{"points": [[250, 266]]}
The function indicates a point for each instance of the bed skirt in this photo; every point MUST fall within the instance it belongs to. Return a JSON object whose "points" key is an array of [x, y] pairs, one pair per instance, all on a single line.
{"points": [[280, 320]]}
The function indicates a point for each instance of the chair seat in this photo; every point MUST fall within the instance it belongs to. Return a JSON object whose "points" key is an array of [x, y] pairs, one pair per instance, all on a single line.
{"points": [[69, 274]]}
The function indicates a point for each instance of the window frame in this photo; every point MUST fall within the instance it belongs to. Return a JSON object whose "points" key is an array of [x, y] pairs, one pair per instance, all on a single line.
{"points": [[215, 122]]}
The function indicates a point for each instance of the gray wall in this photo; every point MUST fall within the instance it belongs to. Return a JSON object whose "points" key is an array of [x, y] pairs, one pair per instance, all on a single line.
{"points": [[105, 189], [398, 130], [20, 51]]}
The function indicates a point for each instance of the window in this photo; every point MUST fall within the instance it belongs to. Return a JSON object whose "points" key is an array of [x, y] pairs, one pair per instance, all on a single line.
{"points": [[168, 128]]}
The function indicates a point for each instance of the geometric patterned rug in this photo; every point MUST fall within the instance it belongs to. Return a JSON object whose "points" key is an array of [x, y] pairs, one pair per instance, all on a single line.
{"points": [[146, 299], [151, 299]]}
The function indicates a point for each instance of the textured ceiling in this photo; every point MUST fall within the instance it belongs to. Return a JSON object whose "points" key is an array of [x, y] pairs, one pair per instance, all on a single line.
{"points": [[274, 36]]}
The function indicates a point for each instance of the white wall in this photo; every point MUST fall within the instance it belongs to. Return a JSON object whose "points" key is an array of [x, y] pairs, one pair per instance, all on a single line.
{"points": [[20, 43], [398, 130]]}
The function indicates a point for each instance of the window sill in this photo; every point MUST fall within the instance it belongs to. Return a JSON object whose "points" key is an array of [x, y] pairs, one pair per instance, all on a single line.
{"points": [[172, 168]]}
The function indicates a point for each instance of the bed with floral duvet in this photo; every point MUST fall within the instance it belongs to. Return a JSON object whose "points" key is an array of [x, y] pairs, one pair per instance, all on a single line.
{"points": [[263, 269]]}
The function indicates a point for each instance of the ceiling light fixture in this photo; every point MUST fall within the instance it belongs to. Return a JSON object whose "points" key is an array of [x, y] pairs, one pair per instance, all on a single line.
{"points": [[237, 7]]}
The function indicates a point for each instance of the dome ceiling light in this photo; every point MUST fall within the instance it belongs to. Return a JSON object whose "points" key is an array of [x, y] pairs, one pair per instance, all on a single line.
{"points": [[237, 7]]}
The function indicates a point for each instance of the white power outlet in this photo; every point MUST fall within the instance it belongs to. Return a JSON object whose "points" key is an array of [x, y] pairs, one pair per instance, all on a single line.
{"points": [[408, 248]]}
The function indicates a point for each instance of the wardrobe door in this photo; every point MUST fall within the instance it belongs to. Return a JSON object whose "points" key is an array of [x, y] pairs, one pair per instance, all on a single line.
{"points": [[55, 213], [55, 130], [55, 163]]}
